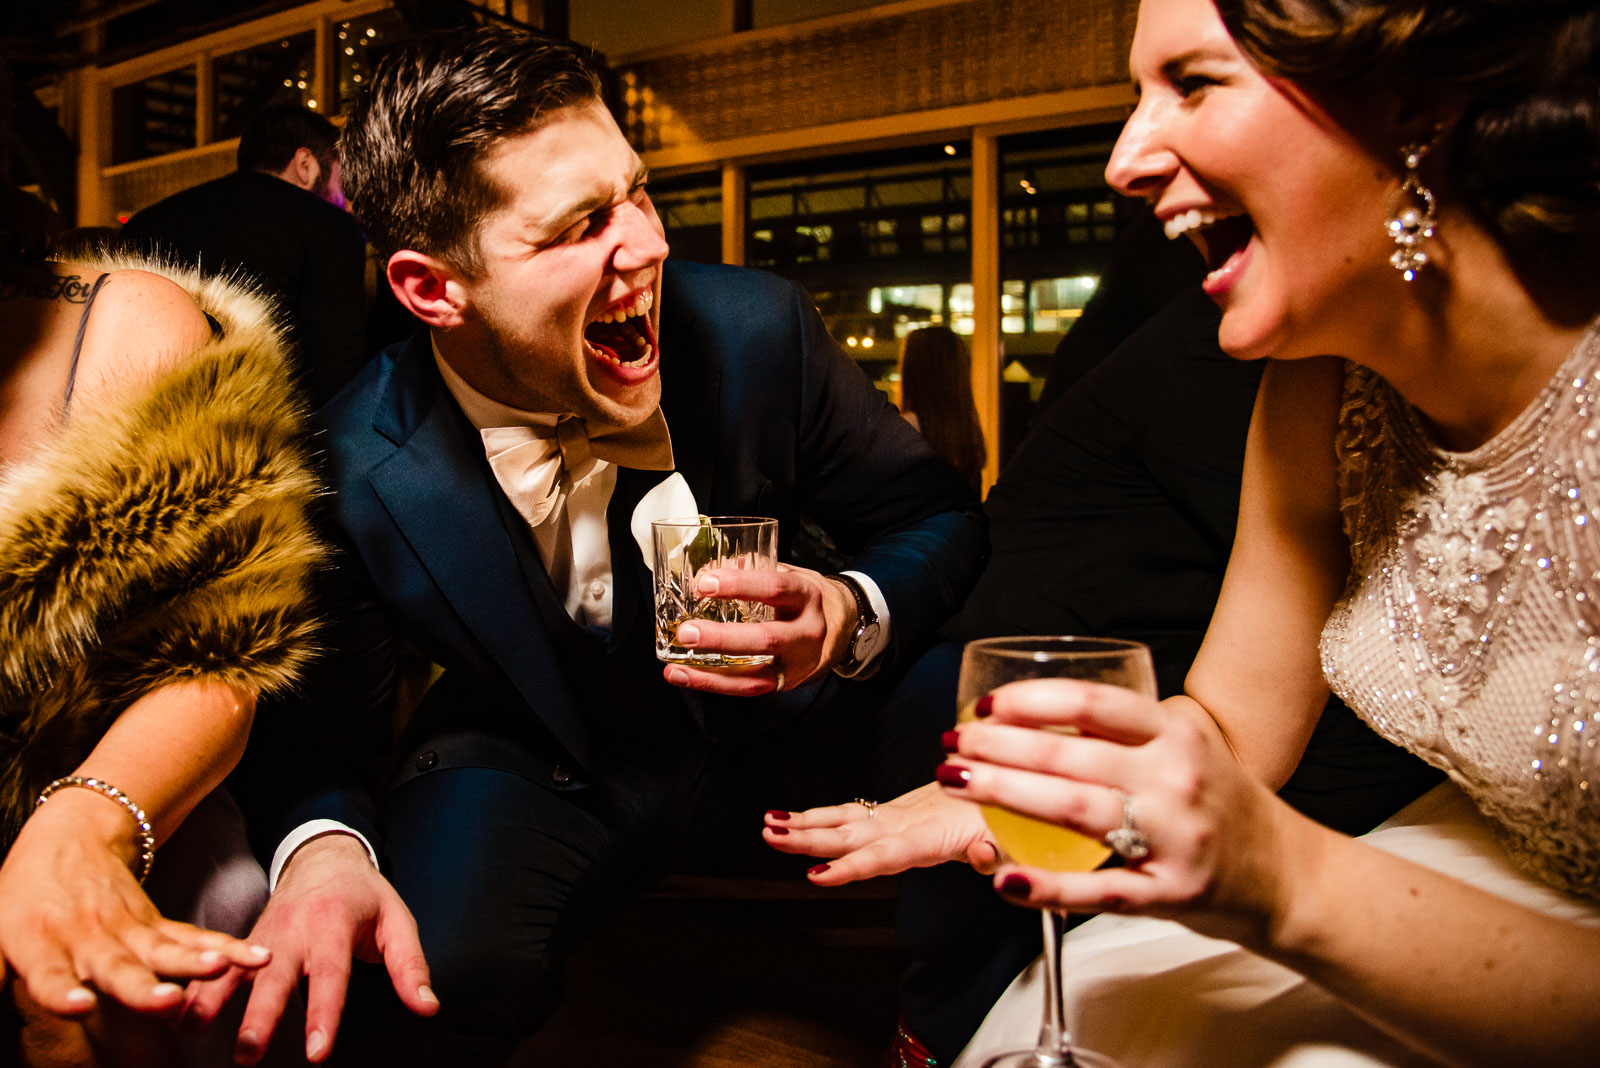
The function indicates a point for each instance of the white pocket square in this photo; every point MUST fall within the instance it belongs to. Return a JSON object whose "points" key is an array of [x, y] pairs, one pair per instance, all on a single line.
{"points": [[670, 499]]}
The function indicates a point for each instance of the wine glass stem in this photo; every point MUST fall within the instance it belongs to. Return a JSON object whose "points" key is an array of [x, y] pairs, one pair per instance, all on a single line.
{"points": [[1054, 1047]]}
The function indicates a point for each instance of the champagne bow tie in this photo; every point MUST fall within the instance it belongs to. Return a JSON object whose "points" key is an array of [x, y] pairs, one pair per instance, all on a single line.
{"points": [[537, 465]]}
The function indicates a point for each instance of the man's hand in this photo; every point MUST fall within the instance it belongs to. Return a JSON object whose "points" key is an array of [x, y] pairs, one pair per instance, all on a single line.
{"points": [[329, 906], [815, 618], [916, 830]]}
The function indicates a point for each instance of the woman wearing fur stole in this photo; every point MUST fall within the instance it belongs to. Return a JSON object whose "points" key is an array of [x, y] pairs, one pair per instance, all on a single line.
{"points": [[154, 559]]}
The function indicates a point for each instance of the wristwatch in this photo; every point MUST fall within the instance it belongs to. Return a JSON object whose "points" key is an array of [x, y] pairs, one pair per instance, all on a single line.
{"points": [[865, 639]]}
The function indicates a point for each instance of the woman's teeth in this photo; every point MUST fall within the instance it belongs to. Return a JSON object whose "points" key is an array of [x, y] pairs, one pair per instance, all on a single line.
{"points": [[1193, 219]]}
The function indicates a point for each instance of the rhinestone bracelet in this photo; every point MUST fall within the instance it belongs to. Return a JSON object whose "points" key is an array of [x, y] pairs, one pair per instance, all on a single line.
{"points": [[143, 840]]}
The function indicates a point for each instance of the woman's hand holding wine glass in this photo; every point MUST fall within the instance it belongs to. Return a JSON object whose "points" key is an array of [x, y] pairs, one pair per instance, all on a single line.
{"points": [[1217, 838]]}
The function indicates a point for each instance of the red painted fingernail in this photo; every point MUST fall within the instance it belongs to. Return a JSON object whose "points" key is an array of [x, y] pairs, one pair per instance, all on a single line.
{"points": [[953, 775], [777, 814], [818, 870], [778, 830], [984, 706], [1015, 885], [951, 740]]}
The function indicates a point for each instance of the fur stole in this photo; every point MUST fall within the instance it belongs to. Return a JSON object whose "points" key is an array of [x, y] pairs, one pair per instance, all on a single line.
{"points": [[165, 539]]}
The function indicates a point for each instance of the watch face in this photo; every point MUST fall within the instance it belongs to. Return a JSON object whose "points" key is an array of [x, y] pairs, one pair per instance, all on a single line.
{"points": [[866, 638]]}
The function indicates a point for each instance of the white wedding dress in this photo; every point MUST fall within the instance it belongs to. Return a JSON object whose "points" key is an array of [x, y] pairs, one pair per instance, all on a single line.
{"points": [[1470, 634]]}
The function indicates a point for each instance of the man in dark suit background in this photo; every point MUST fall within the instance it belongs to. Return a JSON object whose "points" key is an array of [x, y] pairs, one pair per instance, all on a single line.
{"points": [[486, 475], [279, 219]]}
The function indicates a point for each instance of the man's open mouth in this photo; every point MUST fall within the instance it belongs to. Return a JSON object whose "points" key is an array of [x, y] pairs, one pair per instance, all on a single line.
{"points": [[622, 336]]}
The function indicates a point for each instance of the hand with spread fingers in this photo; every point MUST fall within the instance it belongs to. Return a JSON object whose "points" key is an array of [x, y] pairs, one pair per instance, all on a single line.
{"points": [[76, 926], [862, 839], [330, 906], [1203, 840], [810, 634]]}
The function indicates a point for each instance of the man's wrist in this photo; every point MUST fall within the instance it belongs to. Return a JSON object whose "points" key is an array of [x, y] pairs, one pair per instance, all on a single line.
{"points": [[842, 619], [864, 637], [313, 831]]}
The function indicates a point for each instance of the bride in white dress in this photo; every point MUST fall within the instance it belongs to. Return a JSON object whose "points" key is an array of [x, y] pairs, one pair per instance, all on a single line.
{"points": [[1400, 203]]}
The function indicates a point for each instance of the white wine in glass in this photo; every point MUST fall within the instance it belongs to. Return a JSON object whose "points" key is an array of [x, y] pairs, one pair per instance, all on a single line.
{"points": [[986, 666]]}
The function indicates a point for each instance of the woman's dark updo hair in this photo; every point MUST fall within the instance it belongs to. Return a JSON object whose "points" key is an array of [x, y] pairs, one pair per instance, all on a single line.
{"points": [[936, 387], [1526, 73]]}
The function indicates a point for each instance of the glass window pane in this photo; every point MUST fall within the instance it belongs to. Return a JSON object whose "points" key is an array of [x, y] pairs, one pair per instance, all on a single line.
{"points": [[1058, 223], [272, 73], [690, 207], [153, 117], [359, 44], [879, 240], [848, 198]]}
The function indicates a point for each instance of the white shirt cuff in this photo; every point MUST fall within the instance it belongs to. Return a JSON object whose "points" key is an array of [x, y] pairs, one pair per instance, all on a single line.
{"points": [[303, 834], [880, 606]]}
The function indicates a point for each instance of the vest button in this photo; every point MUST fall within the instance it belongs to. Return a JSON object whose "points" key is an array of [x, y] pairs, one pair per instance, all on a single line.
{"points": [[427, 760], [597, 589], [560, 776]]}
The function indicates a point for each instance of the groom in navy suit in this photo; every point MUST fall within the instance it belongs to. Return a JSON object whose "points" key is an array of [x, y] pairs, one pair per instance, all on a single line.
{"points": [[486, 476]]}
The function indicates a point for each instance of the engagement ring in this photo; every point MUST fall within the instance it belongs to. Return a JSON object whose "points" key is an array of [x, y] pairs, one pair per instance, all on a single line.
{"points": [[1127, 839]]}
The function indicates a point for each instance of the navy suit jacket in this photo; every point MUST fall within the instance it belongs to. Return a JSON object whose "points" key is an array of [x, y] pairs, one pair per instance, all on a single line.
{"points": [[768, 417]]}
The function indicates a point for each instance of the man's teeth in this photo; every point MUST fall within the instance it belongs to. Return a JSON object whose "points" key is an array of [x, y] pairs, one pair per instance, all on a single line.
{"points": [[1193, 219], [640, 305], [641, 348]]}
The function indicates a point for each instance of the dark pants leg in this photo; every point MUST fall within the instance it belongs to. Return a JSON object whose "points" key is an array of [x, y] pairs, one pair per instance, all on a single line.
{"points": [[500, 873]]}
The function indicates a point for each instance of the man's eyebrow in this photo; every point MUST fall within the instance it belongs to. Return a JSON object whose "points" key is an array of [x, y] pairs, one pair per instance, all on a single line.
{"points": [[558, 221]]}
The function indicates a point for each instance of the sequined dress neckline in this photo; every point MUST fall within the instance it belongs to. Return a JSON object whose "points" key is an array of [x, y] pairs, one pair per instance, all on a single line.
{"points": [[1469, 631]]}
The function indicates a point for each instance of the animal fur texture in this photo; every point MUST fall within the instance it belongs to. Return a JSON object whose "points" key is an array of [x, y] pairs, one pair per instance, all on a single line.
{"points": [[165, 539]]}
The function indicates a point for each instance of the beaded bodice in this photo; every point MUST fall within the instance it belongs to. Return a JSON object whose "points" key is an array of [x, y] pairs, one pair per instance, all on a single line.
{"points": [[1470, 630]]}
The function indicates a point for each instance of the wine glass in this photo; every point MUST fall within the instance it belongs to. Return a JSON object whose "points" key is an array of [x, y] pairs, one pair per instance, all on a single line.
{"points": [[985, 666]]}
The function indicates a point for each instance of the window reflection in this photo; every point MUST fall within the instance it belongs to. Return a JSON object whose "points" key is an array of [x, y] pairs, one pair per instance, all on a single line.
{"points": [[253, 79], [154, 116]]}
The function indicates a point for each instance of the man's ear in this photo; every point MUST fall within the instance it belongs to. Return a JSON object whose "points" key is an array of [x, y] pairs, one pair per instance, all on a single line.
{"points": [[303, 170], [428, 288]]}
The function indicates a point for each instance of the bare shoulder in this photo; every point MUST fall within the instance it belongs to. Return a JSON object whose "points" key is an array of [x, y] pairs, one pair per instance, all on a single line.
{"points": [[141, 325]]}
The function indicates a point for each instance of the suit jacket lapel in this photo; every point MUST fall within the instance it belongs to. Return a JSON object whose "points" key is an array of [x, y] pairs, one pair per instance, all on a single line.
{"points": [[438, 489], [630, 578]]}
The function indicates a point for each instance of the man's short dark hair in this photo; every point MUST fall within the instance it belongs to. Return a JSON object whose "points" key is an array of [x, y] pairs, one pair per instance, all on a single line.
{"points": [[414, 144], [277, 133]]}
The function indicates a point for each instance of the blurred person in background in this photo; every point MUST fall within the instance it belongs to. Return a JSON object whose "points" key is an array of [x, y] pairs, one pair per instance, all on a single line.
{"points": [[280, 221], [936, 398]]}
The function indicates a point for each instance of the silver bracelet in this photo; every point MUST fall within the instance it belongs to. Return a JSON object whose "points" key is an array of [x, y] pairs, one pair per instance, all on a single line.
{"points": [[143, 840]]}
